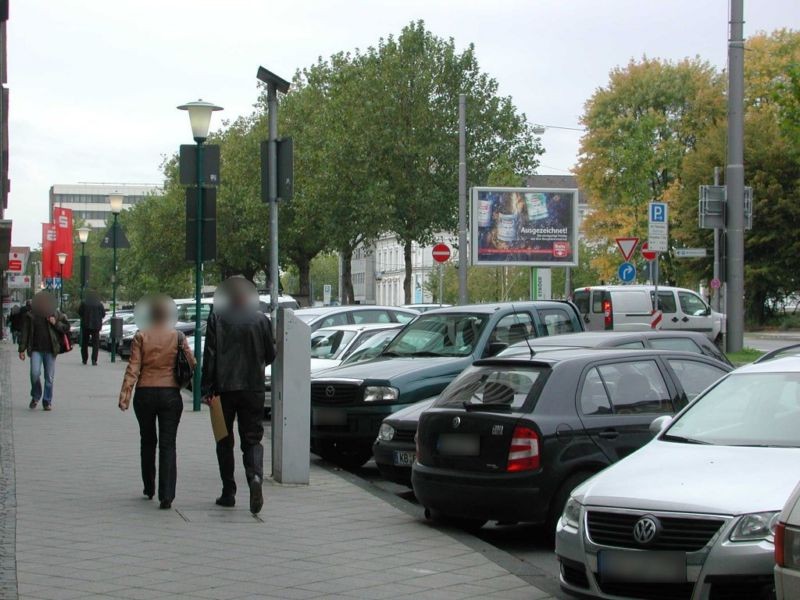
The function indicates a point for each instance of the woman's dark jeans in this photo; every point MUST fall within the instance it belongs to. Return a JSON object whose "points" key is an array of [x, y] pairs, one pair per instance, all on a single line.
{"points": [[164, 405]]}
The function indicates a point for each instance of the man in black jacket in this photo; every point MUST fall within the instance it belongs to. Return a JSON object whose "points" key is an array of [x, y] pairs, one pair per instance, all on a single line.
{"points": [[91, 312], [239, 346]]}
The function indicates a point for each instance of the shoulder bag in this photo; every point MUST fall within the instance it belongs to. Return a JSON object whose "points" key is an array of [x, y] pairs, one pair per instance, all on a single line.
{"points": [[183, 370]]}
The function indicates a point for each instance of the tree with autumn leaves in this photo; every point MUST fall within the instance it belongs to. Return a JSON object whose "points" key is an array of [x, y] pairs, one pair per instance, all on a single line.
{"points": [[657, 131]]}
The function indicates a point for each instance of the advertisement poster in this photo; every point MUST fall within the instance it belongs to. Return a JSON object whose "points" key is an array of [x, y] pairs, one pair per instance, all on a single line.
{"points": [[49, 270], [534, 227], [62, 219]]}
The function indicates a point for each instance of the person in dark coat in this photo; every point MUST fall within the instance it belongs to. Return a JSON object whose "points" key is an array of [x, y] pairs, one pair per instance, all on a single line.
{"points": [[43, 329], [91, 311], [239, 346]]}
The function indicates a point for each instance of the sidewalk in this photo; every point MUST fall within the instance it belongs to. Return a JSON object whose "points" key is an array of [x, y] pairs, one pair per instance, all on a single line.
{"points": [[83, 529]]}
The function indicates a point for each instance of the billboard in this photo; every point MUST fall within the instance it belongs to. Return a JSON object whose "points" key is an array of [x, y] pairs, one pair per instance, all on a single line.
{"points": [[536, 227]]}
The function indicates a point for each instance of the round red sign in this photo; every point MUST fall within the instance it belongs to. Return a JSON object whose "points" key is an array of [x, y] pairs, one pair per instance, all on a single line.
{"points": [[441, 253], [647, 254]]}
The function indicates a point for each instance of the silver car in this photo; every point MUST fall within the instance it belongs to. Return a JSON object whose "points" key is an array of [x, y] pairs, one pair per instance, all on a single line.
{"points": [[692, 515]]}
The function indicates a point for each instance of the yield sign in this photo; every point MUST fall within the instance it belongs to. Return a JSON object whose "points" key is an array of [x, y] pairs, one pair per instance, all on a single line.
{"points": [[627, 245]]}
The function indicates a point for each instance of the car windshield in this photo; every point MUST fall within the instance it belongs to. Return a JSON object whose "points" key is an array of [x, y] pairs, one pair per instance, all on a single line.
{"points": [[449, 334], [330, 343], [371, 347], [744, 409], [504, 386], [306, 317]]}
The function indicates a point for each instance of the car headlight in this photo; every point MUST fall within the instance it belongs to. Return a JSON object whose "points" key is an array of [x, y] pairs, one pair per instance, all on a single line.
{"points": [[571, 517], [386, 432], [755, 527], [380, 393]]}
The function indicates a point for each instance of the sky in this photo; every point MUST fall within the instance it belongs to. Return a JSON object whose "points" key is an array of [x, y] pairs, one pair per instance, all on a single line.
{"points": [[94, 83]]}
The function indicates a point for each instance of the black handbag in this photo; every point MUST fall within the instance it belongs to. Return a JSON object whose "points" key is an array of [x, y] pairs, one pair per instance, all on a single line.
{"points": [[183, 370]]}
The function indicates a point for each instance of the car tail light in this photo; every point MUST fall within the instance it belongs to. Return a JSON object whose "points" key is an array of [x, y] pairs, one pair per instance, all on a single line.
{"points": [[608, 315], [780, 534], [523, 454]]}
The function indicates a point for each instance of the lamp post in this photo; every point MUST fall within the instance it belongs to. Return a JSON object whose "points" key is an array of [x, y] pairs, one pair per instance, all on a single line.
{"points": [[83, 237], [200, 120], [62, 259], [116, 201]]}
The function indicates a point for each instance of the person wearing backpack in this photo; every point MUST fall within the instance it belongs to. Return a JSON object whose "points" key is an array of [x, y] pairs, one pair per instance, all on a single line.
{"points": [[42, 336], [151, 381]]}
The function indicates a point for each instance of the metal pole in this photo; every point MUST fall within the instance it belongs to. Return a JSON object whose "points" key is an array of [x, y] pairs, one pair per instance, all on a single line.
{"points": [[441, 283], [534, 283], [715, 293], [734, 180], [198, 282], [462, 199], [114, 294], [272, 158], [61, 290], [567, 283], [83, 288]]}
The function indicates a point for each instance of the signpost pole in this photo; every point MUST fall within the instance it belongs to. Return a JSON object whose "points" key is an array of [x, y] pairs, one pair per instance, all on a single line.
{"points": [[462, 199], [441, 283], [715, 292]]}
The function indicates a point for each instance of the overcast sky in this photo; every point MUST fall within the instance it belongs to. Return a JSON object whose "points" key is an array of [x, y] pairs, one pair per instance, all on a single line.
{"points": [[94, 83]]}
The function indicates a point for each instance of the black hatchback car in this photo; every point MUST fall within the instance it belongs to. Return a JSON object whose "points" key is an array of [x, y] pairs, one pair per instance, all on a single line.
{"points": [[509, 439]]}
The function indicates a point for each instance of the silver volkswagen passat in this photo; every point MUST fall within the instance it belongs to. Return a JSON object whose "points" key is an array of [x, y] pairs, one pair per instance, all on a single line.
{"points": [[692, 514]]}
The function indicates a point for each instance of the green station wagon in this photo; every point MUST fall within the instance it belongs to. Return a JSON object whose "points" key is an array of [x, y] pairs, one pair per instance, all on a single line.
{"points": [[348, 403]]}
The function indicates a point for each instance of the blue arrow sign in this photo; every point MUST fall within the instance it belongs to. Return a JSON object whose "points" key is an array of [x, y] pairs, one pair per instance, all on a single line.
{"points": [[626, 272]]}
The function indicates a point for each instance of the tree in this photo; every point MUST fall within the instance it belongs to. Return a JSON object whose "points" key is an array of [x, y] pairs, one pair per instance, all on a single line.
{"points": [[772, 149], [413, 82], [639, 129]]}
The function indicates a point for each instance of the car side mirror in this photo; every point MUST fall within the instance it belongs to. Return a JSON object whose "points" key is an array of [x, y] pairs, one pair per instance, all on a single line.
{"points": [[495, 348], [659, 424]]}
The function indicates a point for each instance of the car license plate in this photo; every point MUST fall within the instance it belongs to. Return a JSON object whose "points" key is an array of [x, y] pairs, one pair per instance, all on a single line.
{"points": [[459, 444], [642, 566], [404, 458], [328, 416]]}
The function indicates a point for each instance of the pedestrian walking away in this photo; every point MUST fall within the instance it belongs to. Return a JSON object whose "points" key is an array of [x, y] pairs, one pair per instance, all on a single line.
{"points": [[91, 311], [239, 346], [15, 324], [42, 338], [157, 401]]}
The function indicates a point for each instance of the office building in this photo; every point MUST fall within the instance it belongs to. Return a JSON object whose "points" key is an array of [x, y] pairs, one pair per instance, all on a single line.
{"points": [[89, 201]]}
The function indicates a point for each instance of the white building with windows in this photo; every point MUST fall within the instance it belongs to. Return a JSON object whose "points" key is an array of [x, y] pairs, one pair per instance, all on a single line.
{"points": [[378, 271], [89, 201]]}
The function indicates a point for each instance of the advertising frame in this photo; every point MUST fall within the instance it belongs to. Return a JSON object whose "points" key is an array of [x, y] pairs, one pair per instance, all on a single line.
{"points": [[521, 256]]}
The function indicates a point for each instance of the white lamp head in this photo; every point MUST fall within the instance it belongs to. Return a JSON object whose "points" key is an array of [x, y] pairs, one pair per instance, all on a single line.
{"points": [[62, 258], [116, 201], [83, 234], [200, 117]]}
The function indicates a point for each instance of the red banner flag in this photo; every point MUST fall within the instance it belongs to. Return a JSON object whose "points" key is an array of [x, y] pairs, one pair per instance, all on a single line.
{"points": [[62, 219], [48, 250]]}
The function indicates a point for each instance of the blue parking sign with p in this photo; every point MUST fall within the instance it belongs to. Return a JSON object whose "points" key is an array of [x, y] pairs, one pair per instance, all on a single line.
{"points": [[658, 212]]}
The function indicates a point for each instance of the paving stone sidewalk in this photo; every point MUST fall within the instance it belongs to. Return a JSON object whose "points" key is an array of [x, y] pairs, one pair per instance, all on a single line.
{"points": [[83, 529]]}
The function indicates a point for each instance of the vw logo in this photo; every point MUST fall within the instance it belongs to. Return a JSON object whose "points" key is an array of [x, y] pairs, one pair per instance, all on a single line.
{"points": [[330, 391], [456, 422], [646, 530]]}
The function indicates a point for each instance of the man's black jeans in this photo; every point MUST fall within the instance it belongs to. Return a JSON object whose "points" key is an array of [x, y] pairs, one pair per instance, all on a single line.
{"points": [[91, 337], [164, 405], [248, 409]]}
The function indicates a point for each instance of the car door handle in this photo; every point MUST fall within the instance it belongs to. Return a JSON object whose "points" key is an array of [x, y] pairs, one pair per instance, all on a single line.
{"points": [[674, 319], [685, 319], [608, 434]]}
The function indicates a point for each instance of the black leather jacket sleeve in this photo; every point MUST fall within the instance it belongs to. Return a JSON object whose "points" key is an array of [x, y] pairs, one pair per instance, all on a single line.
{"points": [[208, 383]]}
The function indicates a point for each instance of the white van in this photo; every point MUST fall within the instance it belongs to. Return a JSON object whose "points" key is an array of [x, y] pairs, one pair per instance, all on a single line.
{"points": [[630, 308]]}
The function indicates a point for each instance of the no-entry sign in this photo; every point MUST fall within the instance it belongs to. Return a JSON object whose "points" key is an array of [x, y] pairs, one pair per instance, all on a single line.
{"points": [[441, 253], [648, 254]]}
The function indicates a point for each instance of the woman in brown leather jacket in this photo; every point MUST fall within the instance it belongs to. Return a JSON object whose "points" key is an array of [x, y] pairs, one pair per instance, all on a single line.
{"points": [[158, 396]]}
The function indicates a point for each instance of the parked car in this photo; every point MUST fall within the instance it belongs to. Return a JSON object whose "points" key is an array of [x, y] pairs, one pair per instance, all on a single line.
{"points": [[349, 402], [694, 513], [684, 341], [328, 316], [787, 549], [371, 347], [74, 331], [130, 330], [395, 447], [105, 331], [509, 439], [332, 345], [630, 307]]}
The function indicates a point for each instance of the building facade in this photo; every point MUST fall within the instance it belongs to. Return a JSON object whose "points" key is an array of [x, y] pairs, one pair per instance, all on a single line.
{"points": [[89, 201]]}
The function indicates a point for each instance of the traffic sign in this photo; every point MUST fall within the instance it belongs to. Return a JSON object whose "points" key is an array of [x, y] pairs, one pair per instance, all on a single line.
{"points": [[648, 254], [627, 245], [441, 253], [626, 272], [716, 283], [658, 226], [690, 252]]}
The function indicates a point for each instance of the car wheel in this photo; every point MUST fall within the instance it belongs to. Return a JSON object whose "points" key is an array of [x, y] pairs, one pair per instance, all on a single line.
{"points": [[560, 500], [348, 456], [467, 524]]}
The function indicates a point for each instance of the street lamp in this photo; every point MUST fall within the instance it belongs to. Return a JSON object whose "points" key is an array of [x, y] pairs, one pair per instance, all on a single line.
{"points": [[116, 201], [200, 120], [83, 237], [62, 259]]}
